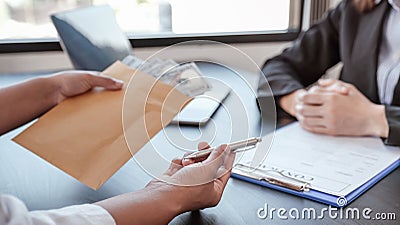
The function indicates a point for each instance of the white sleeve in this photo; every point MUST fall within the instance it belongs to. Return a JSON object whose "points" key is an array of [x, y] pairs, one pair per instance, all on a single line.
{"points": [[14, 212]]}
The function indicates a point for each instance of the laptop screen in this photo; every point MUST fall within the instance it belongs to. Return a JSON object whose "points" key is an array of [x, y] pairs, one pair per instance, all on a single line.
{"points": [[91, 37]]}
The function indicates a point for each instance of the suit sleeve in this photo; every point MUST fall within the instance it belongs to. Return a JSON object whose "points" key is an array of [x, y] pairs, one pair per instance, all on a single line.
{"points": [[306, 60], [393, 118]]}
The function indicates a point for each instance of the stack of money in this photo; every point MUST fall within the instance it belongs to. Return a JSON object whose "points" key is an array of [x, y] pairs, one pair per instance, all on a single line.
{"points": [[187, 77]]}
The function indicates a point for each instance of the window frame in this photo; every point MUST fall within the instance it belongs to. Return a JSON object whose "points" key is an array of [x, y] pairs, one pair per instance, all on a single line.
{"points": [[53, 44]]}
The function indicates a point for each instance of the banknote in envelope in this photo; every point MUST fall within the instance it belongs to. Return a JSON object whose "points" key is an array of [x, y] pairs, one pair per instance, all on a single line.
{"points": [[186, 77]]}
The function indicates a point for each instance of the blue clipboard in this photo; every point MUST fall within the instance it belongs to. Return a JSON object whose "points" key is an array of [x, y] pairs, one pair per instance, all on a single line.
{"points": [[337, 201]]}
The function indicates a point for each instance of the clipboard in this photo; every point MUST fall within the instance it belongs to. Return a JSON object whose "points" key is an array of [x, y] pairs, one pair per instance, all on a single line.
{"points": [[283, 161], [301, 189]]}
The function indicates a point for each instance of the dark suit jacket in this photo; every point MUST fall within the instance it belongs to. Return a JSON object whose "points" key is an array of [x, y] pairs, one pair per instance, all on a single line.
{"points": [[344, 35]]}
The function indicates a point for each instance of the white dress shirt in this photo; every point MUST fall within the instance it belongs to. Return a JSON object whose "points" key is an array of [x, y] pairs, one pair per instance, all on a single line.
{"points": [[389, 55], [14, 212]]}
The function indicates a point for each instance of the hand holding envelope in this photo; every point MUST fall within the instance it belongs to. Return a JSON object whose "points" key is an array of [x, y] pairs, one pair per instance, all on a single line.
{"points": [[84, 136]]}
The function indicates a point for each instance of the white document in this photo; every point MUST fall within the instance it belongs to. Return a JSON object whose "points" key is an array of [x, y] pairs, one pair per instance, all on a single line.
{"points": [[333, 165]]}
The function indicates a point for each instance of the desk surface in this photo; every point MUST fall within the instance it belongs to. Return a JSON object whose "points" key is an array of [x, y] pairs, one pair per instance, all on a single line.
{"points": [[42, 186]]}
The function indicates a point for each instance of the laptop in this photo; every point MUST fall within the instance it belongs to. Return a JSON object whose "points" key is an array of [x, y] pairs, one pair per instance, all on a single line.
{"points": [[93, 41]]}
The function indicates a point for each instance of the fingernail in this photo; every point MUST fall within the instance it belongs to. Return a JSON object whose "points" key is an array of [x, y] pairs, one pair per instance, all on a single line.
{"points": [[297, 107], [321, 81], [299, 117], [300, 96], [314, 89], [97, 73], [119, 81]]}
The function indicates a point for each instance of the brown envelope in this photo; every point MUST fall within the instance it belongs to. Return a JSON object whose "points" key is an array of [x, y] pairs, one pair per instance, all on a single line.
{"points": [[83, 135]]}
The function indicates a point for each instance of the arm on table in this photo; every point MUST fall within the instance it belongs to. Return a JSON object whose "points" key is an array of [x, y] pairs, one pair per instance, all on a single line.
{"points": [[26, 101], [158, 203], [202, 185]]}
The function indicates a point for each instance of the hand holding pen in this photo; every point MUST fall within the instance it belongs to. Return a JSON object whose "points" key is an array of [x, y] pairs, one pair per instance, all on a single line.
{"points": [[205, 150]]}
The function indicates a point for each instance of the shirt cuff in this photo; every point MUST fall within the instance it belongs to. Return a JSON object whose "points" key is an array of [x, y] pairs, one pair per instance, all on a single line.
{"points": [[86, 214], [392, 116]]}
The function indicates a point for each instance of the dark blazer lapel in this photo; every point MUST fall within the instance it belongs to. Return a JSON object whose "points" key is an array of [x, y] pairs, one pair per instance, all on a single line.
{"points": [[366, 50]]}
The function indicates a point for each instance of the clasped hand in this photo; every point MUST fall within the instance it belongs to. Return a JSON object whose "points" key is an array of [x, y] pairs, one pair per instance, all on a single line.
{"points": [[334, 107]]}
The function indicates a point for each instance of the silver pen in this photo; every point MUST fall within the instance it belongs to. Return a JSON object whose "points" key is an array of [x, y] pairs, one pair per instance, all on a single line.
{"points": [[248, 144]]}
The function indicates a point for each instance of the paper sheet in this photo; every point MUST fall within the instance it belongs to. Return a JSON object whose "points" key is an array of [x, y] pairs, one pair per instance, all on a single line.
{"points": [[334, 165], [83, 135]]}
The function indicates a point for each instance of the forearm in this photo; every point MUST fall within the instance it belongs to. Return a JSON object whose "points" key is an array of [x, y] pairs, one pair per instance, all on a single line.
{"points": [[151, 205], [23, 102]]}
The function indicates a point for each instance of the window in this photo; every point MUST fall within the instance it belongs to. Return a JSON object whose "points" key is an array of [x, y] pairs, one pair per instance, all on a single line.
{"points": [[28, 20]]}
